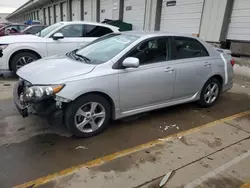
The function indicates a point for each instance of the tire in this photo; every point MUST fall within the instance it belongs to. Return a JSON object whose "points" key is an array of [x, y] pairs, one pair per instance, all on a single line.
{"points": [[204, 98], [72, 117], [28, 56]]}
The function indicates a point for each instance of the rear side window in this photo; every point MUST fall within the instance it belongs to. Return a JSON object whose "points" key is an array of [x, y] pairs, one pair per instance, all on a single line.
{"points": [[72, 31], [95, 31], [184, 47]]}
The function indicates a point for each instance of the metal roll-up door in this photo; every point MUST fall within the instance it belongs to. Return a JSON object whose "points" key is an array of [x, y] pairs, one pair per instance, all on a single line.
{"points": [[87, 10], [134, 13], [239, 26], [106, 9], [34, 15], [46, 16], [76, 10], [58, 13], [64, 12], [181, 16], [51, 15]]}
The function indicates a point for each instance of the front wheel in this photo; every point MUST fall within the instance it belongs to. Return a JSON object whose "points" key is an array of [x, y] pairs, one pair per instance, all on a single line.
{"points": [[210, 93], [21, 59], [88, 115]]}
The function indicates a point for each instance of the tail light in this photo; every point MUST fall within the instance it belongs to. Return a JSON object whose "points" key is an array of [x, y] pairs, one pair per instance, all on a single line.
{"points": [[232, 62]]}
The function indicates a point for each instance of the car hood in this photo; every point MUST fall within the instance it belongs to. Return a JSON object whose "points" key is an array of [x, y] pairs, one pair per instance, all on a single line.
{"points": [[53, 69], [20, 38]]}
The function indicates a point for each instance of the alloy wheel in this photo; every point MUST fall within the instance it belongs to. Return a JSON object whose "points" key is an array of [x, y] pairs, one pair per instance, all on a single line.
{"points": [[211, 93], [90, 117], [24, 61]]}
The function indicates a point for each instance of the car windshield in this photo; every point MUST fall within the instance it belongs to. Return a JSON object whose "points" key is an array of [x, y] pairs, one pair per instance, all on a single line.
{"points": [[106, 48], [49, 29]]}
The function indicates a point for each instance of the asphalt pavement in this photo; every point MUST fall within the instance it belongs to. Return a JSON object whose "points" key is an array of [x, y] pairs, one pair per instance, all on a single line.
{"points": [[30, 148]]}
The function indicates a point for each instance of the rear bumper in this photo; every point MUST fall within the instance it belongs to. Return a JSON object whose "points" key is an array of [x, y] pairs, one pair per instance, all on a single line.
{"points": [[227, 86]]}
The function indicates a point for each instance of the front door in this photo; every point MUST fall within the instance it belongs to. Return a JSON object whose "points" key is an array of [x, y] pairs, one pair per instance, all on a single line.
{"points": [[152, 82]]}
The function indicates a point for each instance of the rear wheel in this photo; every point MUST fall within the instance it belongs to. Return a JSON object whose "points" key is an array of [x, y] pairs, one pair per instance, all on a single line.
{"points": [[88, 116], [210, 93], [21, 59]]}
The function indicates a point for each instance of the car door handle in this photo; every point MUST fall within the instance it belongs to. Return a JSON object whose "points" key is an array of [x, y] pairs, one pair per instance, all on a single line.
{"points": [[168, 69], [207, 64]]}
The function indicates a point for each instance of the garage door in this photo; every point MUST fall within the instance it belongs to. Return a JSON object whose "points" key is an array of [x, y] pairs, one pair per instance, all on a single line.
{"points": [[64, 12], [239, 27], [58, 15], [87, 8], [183, 16], [51, 15], [76, 10], [106, 9], [46, 16], [134, 13]]}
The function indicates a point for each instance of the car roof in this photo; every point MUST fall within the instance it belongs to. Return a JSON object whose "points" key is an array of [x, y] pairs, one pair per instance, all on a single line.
{"points": [[90, 23], [156, 34]]}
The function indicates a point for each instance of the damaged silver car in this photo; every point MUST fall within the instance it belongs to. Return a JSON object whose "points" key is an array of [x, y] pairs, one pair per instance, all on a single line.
{"points": [[122, 74]]}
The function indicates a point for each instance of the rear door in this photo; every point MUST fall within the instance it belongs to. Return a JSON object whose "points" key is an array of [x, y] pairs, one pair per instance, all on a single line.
{"points": [[192, 65]]}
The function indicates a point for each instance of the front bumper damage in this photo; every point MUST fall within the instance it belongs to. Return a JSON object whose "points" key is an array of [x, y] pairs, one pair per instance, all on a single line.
{"points": [[46, 108]]}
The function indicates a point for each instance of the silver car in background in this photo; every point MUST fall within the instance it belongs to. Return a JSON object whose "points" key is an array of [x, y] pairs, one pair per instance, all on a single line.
{"points": [[122, 74]]}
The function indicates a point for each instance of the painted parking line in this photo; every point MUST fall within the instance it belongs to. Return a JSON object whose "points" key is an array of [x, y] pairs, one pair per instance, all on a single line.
{"points": [[246, 185], [125, 152]]}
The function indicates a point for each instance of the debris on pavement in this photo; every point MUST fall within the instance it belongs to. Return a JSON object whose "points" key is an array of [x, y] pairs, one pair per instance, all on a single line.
{"points": [[43, 153], [166, 127], [81, 147], [6, 84], [8, 145], [243, 86], [165, 179]]}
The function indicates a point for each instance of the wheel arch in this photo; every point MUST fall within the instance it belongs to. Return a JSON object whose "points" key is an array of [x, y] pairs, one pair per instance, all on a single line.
{"points": [[22, 51], [219, 78], [106, 96]]}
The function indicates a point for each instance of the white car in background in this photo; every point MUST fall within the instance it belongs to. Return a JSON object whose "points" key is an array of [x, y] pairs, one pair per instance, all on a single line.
{"points": [[19, 50]]}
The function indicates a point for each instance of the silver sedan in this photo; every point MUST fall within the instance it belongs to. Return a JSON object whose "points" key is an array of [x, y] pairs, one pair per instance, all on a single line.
{"points": [[120, 75]]}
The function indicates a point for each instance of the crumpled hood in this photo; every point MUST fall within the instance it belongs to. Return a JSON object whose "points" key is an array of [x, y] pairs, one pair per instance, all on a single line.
{"points": [[20, 38], [53, 69]]}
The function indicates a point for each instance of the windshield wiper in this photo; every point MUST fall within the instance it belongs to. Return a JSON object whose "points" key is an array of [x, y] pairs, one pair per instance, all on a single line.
{"points": [[83, 57], [76, 56]]}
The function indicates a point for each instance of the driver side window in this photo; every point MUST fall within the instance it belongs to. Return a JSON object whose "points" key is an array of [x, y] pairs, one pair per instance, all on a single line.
{"points": [[72, 31], [152, 51]]}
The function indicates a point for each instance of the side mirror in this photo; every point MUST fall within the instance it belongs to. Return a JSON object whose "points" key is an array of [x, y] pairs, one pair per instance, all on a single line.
{"points": [[57, 36], [131, 62]]}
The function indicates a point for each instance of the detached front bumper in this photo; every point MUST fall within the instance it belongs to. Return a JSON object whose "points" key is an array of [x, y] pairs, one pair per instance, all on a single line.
{"points": [[21, 106], [45, 108]]}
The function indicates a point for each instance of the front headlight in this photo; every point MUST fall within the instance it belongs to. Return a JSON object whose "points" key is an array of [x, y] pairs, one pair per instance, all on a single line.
{"points": [[3, 46], [38, 92]]}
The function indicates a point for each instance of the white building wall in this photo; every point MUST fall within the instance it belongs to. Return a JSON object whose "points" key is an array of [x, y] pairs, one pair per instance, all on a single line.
{"points": [[239, 27]]}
